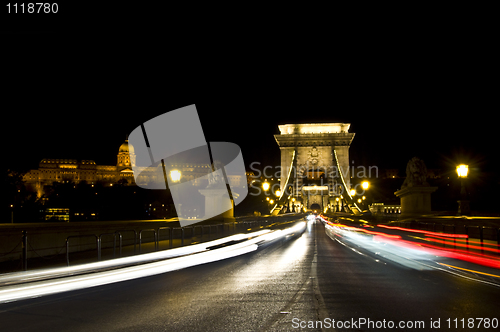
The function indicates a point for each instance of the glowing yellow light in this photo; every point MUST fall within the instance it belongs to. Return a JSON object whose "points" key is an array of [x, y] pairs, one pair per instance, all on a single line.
{"points": [[353, 192], [293, 199], [267, 198], [364, 197], [337, 199], [462, 170], [265, 186], [278, 193], [365, 185], [315, 188], [175, 175], [271, 201], [359, 200]]}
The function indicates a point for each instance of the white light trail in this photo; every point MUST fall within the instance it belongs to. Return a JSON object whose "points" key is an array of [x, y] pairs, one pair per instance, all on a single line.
{"points": [[17, 277], [192, 255]]}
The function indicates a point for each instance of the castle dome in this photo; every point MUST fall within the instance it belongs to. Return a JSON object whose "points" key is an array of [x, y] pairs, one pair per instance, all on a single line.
{"points": [[126, 147]]}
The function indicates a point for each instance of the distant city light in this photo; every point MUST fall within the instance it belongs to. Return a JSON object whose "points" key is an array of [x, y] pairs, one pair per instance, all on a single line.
{"points": [[365, 185]]}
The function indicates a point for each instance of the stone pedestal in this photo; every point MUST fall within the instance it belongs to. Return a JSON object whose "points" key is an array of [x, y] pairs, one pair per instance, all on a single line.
{"points": [[415, 200], [217, 200]]}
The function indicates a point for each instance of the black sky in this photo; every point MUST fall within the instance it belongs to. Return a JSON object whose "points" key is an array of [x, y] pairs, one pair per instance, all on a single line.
{"points": [[78, 96]]}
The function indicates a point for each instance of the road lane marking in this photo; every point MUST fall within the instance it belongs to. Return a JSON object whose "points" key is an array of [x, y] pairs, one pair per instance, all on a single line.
{"points": [[474, 271], [319, 301]]}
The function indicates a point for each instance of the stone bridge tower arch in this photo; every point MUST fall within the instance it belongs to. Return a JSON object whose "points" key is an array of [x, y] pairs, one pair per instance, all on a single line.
{"points": [[314, 154]]}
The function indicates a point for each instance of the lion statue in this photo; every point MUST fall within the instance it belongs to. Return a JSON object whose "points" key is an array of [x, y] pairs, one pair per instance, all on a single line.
{"points": [[416, 173], [216, 179]]}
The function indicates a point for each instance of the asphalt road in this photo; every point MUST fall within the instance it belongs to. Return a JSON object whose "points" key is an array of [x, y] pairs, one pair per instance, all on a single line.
{"points": [[279, 287]]}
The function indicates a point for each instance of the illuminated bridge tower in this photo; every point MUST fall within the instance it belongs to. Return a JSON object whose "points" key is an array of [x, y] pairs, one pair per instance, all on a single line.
{"points": [[314, 166]]}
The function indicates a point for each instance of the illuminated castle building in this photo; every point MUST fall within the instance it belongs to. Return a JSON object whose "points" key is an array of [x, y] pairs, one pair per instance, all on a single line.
{"points": [[70, 170]]}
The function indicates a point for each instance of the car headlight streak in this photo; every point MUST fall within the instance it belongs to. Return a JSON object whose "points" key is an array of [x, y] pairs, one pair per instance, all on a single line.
{"points": [[173, 259]]}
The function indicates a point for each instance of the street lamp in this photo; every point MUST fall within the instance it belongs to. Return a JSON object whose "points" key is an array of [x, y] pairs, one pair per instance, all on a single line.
{"points": [[265, 186], [463, 203], [175, 175], [462, 170], [365, 185], [278, 193], [353, 192]]}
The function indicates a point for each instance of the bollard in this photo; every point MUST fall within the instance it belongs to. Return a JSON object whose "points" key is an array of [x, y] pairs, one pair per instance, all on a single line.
{"points": [[25, 251], [114, 241], [155, 238], [120, 241], [98, 249], [482, 238], [467, 238], [98, 245], [454, 238], [158, 233], [171, 240], [135, 237]]}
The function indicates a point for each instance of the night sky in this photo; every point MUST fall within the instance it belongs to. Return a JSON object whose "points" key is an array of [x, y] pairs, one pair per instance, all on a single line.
{"points": [[78, 96]]}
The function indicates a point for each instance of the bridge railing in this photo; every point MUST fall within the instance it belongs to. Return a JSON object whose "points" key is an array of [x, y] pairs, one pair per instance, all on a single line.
{"points": [[150, 238], [478, 236]]}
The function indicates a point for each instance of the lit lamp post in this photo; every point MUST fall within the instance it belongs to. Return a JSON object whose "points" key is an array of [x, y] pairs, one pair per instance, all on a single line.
{"points": [[463, 203], [365, 185], [175, 176]]}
